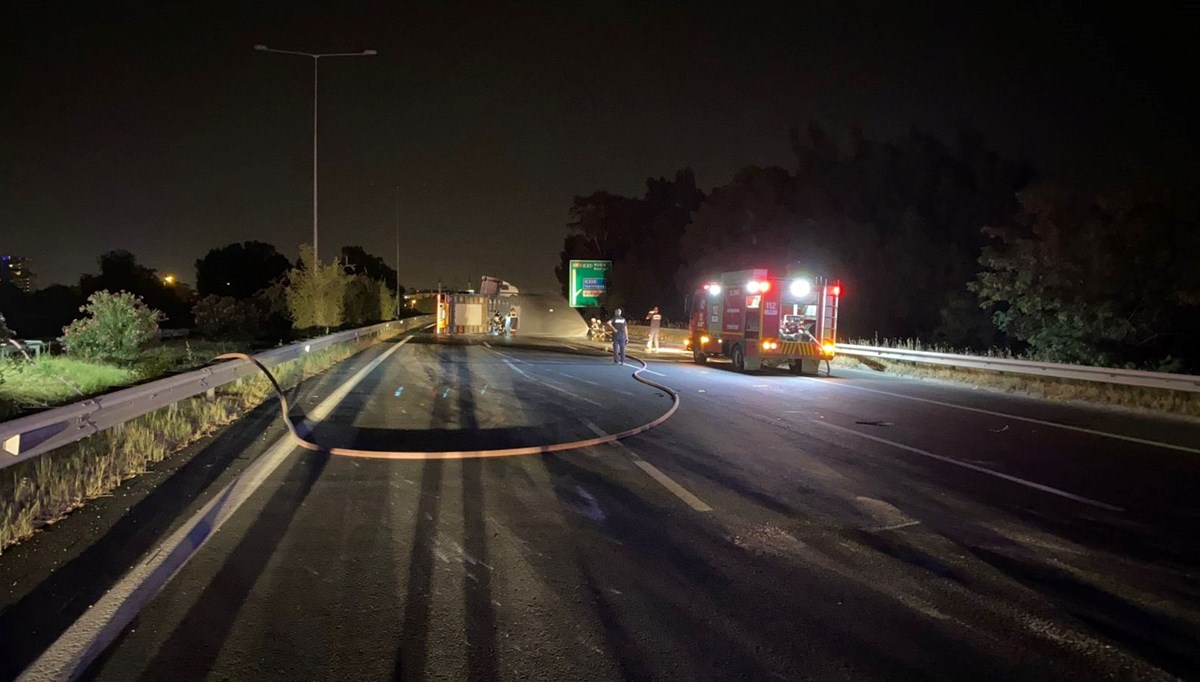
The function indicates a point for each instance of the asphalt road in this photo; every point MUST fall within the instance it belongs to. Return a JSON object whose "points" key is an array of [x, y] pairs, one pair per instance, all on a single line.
{"points": [[851, 527]]}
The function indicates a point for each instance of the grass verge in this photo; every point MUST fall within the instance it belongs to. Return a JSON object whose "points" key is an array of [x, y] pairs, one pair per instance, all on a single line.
{"points": [[51, 380], [40, 491], [1159, 401], [48, 381]]}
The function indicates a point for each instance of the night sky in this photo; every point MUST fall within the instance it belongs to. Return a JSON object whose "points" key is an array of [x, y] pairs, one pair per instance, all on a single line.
{"points": [[156, 127]]}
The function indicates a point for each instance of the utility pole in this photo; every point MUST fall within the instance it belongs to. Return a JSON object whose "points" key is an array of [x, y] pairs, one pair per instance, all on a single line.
{"points": [[397, 252]]}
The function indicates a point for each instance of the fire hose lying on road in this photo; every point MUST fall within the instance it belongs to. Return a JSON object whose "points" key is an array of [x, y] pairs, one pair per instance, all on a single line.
{"points": [[303, 441]]}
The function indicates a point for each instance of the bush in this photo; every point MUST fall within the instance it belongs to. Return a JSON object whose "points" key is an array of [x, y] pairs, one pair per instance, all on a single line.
{"points": [[227, 318], [5, 332], [118, 327]]}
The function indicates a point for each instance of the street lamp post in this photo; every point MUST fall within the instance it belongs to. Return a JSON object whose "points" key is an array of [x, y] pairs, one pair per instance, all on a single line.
{"points": [[316, 57], [397, 251]]}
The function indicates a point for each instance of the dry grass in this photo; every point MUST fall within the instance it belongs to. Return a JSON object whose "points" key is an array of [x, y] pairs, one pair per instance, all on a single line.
{"points": [[1158, 401], [41, 491]]}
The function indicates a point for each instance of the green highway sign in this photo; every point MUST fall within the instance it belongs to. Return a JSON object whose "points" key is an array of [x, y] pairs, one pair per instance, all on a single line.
{"points": [[587, 281]]}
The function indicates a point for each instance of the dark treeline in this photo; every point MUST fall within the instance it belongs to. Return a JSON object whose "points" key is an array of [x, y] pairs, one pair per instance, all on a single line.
{"points": [[238, 295], [947, 243]]}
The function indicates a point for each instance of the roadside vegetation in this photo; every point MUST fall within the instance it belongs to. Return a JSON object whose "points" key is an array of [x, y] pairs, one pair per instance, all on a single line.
{"points": [[1158, 401], [107, 328], [43, 490]]}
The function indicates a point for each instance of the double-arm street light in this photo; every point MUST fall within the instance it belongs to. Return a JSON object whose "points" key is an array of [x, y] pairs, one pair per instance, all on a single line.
{"points": [[316, 57]]}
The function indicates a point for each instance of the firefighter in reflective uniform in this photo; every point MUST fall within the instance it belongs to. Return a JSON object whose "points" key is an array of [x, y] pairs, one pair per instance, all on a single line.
{"points": [[620, 336], [655, 318]]}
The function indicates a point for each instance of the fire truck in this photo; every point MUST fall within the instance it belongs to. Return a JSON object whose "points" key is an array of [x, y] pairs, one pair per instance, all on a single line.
{"points": [[758, 319]]}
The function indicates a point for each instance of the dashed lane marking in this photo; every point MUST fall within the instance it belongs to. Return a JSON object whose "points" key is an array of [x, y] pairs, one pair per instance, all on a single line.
{"points": [[586, 381], [655, 473], [972, 467], [550, 385]]}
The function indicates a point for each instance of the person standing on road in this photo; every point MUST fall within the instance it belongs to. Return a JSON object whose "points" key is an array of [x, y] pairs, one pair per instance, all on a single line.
{"points": [[655, 318], [510, 322], [620, 336]]}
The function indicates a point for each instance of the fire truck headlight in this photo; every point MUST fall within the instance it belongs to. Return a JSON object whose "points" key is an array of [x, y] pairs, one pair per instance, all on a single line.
{"points": [[800, 288], [714, 289], [829, 348], [703, 340]]}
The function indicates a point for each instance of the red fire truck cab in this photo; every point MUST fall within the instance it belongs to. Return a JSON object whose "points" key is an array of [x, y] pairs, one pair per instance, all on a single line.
{"points": [[756, 319]]}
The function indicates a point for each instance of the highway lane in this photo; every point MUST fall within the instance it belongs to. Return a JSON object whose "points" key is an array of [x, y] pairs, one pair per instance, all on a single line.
{"points": [[816, 553]]}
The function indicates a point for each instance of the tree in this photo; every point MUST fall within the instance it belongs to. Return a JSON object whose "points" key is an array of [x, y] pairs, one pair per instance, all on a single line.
{"points": [[357, 261], [315, 292], [240, 270], [120, 271], [1106, 280], [362, 300], [641, 237], [389, 304], [897, 222], [228, 318]]}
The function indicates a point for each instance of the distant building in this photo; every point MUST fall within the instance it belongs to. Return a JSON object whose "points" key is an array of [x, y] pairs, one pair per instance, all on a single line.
{"points": [[15, 269]]}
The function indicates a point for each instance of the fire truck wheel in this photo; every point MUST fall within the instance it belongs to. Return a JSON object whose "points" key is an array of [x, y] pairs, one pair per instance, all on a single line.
{"points": [[739, 359], [698, 357]]}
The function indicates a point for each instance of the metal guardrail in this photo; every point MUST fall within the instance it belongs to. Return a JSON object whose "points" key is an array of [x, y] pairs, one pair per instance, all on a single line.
{"points": [[1124, 377], [27, 437]]}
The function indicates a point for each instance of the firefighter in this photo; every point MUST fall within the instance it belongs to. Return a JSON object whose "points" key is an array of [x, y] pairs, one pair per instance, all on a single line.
{"points": [[655, 318], [620, 336]]}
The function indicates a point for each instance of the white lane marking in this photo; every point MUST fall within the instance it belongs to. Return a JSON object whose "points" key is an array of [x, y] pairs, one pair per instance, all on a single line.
{"points": [[586, 381], [596, 383], [1032, 420], [514, 368], [894, 526], [550, 385], [647, 371], [972, 467], [679, 491], [96, 629], [654, 472]]}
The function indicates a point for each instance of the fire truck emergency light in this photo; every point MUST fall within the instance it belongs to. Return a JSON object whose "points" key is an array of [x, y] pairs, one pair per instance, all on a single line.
{"points": [[713, 289], [754, 286], [800, 288], [836, 290]]}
